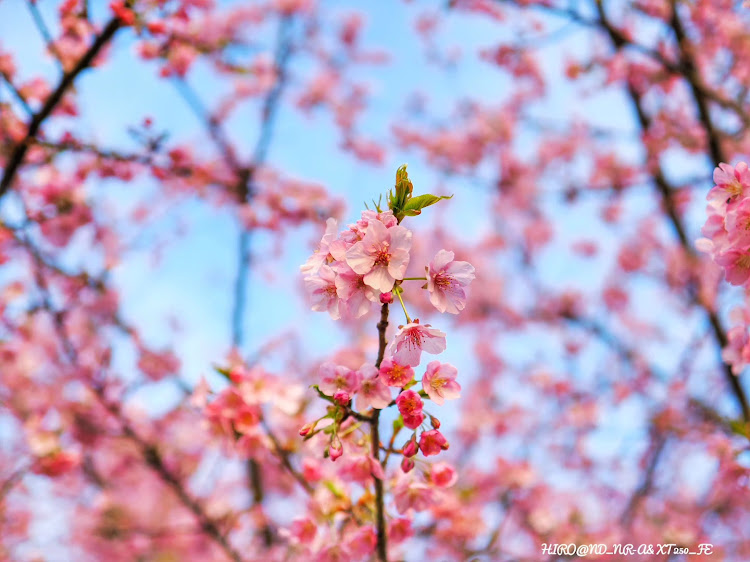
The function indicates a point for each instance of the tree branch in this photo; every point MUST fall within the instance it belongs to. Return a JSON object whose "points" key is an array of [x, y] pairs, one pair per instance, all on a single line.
{"points": [[382, 546], [16, 158]]}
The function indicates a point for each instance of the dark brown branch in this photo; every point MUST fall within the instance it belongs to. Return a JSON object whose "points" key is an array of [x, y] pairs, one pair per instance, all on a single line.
{"points": [[382, 544], [654, 453], [18, 154], [666, 192]]}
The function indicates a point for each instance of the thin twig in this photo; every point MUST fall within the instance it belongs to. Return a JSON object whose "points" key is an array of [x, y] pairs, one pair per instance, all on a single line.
{"points": [[16, 158]]}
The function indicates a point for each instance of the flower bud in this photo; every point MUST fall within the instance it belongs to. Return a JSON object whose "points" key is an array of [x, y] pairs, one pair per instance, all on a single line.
{"points": [[435, 422], [306, 429], [411, 448], [407, 464], [341, 397], [386, 298], [336, 449]]}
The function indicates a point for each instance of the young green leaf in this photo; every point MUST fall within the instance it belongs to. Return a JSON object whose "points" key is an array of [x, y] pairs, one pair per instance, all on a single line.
{"points": [[415, 205]]}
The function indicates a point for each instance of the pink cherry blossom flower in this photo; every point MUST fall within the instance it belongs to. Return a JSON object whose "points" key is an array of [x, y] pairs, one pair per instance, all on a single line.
{"points": [[408, 345], [413, 495], [738, 225], [432, 442], [360, 468], [399, 530], [321, 255], [386, 217], [736, 266], [381, 256], [372, 392], [323, 291], [393, 374], [336, 377], [737, 351], [362, 543], [439, 382], [731, 183], [410, 405], [351, 288], [158, 365], [446, 280], [443, 475], [302, 530]]}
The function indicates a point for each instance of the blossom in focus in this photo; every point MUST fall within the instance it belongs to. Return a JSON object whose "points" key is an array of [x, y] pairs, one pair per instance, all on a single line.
{"points": [[381, 256], [410, 406], [731, 183], [439, 382], [736, 264], [408, 345], [394, 374], [727, 227], [432, 442], [446, 280], [323, 291]]}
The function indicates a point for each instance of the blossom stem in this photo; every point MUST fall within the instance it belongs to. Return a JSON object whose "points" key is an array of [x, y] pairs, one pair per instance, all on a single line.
{"points": [[414, 279], [382, 551], [398, 294]]}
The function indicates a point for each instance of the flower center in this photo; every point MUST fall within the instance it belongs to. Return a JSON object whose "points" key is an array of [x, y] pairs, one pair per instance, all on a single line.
{"points": [[443, 281], [383, 256], [734, 189], [744, 261]]}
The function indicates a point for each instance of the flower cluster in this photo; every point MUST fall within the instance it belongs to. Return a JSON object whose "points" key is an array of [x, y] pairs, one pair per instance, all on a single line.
{"points": [[361, 265], [349, 271], [367, 264], [727, 228]]}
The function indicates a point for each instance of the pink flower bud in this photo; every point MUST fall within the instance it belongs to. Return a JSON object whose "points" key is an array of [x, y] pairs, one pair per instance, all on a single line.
{"points": [[306, 429], [336, 449], [407, 464], [341, 397], [411, 448], [435, 422], [386, 298]]}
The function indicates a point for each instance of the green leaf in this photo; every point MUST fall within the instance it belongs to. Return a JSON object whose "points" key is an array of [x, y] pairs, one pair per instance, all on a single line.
{"points": [[223, 372], [739, 427], [415, 205]]}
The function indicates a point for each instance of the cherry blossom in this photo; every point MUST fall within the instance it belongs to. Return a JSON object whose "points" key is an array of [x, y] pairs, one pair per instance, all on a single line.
{"points": [[439, 382], [394, 374], [413, 339], [410, 407], [446, 280], [381, 256], [432, 442]]}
